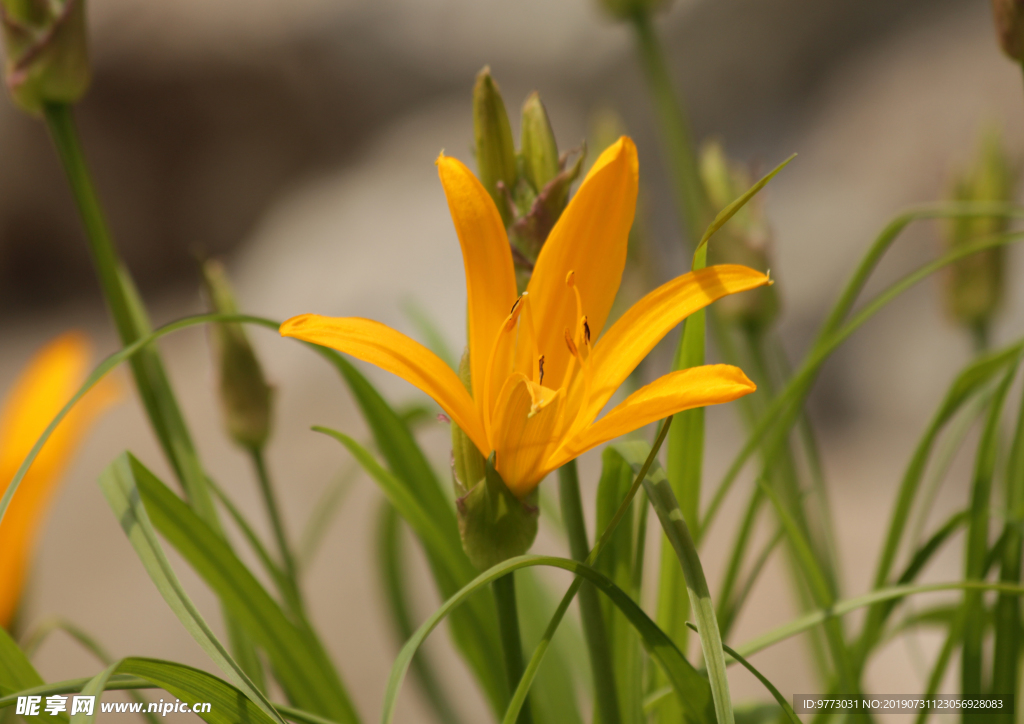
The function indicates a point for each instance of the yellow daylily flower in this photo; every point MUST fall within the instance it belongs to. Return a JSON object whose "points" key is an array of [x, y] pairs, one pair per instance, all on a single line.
{"points": [[46, 384], [541, 370]]}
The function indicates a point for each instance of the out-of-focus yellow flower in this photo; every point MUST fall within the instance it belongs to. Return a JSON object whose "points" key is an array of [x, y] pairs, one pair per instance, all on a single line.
{"points": [[51, 378], [541, 371]]}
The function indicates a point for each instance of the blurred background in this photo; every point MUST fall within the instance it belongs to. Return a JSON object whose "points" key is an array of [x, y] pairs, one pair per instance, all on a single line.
{"points": [[297, 141]]}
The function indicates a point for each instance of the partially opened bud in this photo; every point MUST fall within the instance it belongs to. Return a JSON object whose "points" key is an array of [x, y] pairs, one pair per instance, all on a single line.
{"points": [[538, 147], [745, 239], [46, 56], [467, 462], [1009, 17], [494, 524], [495, 152], [245, 395], [974, 284]]}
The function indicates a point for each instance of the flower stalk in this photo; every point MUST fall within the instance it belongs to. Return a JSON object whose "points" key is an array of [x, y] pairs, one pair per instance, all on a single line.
{"points": [[511, 642]]}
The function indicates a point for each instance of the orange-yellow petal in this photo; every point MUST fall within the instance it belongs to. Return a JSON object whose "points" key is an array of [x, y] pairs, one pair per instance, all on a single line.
{"points": [[525, 421], [51, 378], [590, 239], [667, 395], [644, 324], [487, 258], [382, 346]]}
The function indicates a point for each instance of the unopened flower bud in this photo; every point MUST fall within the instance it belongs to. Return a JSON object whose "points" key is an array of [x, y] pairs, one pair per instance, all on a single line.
{"points": [[745, 239], [46, 57], [495, 152], [626, 9], [494, 524], [974, 284], [1009, 17], [538, 147], [245, 395], [467, 462]]}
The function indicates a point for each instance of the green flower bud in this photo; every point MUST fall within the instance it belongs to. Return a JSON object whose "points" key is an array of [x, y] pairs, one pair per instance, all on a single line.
{"points": [[538, 148], [974, 285], [626, 9], [245, 395], [1009, 17], [46, 56], [494, 524], [495, 152], [467, 462], [529, 232], [745, 239]]}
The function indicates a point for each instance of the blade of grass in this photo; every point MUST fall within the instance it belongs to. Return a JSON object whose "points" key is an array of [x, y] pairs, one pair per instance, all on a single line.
{"points": [[594, 629], [52, 624], [841, 608], [618, 563], [299, 661], [450, 567], [685, 463], [391, 564], [784, 410], [786, 707], [128, 314], [659, 645], [965, 386], [674, 524], [977, 543], [118, 487], [1005, 656]]}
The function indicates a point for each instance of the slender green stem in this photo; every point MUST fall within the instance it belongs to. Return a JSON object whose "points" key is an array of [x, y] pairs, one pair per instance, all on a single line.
{"points": [[594, 629], [129, 315], [132, 323], [274, 513], [511, 641], [675, 129]]}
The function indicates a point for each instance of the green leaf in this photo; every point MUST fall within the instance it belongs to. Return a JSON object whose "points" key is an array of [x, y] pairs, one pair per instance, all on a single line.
{"points": [[300, 663], [475, 630], [617, 562], [841, 608], [685, 461], [977, 543], [16, 671], [764, 680], [191, 686], [692, 688], [784, 410], [391, 565], [559, 673], [674, 524], [118, 485], [729, 211], [1005, 656]]}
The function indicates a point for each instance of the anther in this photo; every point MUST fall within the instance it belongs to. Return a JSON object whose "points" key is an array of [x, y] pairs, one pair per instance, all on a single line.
{"points": [[540, 368], [586, 331], [570, 279]]}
